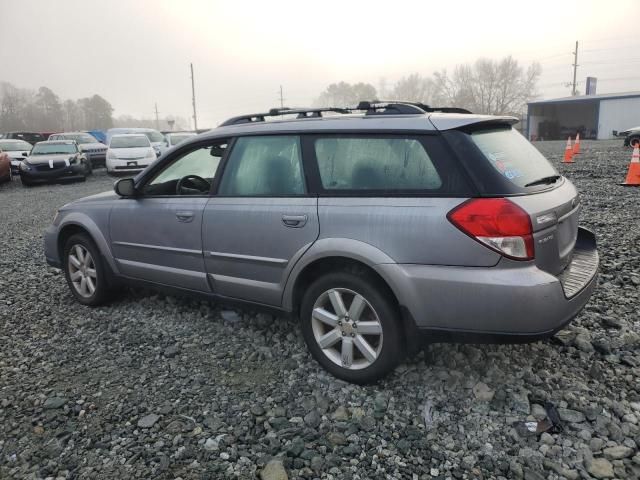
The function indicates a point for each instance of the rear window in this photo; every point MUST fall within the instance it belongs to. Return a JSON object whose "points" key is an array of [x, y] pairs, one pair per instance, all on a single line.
{"points": [[375, 163], [129, 141], [512, 155]]}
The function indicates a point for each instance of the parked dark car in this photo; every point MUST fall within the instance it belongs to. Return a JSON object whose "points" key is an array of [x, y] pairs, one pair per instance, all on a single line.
{"points": [[54, 162], [30, 137]]}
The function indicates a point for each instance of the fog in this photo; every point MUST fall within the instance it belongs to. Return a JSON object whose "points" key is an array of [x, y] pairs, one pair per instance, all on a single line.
{"points": [[137, 53]]}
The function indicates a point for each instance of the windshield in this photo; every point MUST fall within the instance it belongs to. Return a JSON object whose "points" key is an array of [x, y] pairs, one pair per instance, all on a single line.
{"points": [[154, 136], [81, 138], [129, 141], [53, 148], [513, 156], [176, 138], [15, 146]]}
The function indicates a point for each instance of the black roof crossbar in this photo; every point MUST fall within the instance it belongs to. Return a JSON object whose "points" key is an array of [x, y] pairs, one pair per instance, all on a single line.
{"points": [[277, 112], [399, 107], [375, 107]]}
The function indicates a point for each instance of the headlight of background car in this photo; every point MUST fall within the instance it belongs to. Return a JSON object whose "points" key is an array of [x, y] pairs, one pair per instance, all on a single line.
{"points": [[152, 153], [73, 160], [25, 166]]}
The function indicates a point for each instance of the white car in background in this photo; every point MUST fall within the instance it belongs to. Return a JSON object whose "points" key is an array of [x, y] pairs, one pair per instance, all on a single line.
{"points": [[129, 153], [174, 138], [17, 150], [158, 142]]}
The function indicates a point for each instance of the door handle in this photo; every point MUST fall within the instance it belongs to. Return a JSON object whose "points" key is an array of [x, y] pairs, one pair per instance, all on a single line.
{"points": [[184, 217], [294, 221]]}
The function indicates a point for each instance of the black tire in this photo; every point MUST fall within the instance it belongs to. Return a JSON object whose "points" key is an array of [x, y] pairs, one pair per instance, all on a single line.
{"points": [[633, 141], [102, 291], [25, 182], [89, 167], [379, 298]]}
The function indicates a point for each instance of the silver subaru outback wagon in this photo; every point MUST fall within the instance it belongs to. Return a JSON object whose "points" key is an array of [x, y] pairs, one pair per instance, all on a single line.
{"points": [[379, 228]]}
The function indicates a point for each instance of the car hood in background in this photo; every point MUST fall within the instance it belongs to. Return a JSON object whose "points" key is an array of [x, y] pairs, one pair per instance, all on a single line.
{"points": [[85, 147], [39, 159], [17, 155], [135, 153]]}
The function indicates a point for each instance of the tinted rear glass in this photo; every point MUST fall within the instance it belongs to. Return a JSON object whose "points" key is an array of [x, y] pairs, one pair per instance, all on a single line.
{"points": [[132, 141], [375, 164], [512, 155]]}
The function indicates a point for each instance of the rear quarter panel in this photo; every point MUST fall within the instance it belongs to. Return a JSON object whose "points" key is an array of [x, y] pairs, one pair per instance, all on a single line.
{"points": [[408, 230]]}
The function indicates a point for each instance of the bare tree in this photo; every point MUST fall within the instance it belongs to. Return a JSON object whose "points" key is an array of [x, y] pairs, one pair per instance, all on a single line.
{"points": [[345, 94], [488, 86], [413, 88]]}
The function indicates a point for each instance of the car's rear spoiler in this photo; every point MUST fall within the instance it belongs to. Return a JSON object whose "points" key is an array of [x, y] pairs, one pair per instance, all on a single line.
{"points": [[453, 121]]}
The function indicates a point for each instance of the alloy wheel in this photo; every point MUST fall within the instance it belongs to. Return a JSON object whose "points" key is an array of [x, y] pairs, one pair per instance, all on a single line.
{"points": [[82, 271], [350, 337]]}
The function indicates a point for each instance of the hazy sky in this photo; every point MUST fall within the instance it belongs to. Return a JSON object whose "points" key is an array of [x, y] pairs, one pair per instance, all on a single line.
{"points": [[137, 52]]}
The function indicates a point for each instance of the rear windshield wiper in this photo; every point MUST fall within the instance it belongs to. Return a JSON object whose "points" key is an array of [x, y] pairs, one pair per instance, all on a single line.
{"points": [[543, 180]]}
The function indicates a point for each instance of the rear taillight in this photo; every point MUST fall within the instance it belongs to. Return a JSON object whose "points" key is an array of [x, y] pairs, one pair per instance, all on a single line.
{"points": [[497, 223]]}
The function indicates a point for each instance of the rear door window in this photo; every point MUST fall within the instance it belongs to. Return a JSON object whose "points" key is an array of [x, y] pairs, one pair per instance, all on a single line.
{"points": [[264, 166], [512, 155]]}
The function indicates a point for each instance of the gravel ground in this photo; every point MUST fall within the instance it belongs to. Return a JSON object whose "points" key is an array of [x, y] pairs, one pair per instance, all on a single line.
{"points": [[154, 386]]}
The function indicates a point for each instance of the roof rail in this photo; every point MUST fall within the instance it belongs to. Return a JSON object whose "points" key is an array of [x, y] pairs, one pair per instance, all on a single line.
{"points": [[397, 106], [277, 112], [374, 107]]}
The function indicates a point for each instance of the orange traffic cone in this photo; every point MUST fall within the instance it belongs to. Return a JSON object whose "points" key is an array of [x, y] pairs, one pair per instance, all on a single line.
{"points": [[633, 175], [568, 152], [576, 145]]}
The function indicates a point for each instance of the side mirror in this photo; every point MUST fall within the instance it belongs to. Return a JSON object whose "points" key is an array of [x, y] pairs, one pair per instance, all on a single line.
{"points": [[125, 187], [25, 154]]}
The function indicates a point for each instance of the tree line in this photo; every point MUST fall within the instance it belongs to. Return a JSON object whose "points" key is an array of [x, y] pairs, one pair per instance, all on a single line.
{"points": [[492, 87], [42, 110]]}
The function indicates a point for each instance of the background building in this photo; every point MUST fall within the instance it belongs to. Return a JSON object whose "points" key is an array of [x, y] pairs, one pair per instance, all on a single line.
{"points": [[594, 116]]}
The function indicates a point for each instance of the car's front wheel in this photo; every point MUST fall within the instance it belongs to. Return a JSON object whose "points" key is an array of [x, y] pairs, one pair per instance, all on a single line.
{"points": [[351, 326], [634, 141], [84, 271]]}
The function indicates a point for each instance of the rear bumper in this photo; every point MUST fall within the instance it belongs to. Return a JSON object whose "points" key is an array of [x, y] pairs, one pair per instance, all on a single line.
{"points": [[127, 165], [97, 158], [511, 302]]}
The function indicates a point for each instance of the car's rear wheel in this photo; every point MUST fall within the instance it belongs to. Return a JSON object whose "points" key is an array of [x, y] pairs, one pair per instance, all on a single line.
{"points": [[351, 326], [634, 141], [85, 271]]}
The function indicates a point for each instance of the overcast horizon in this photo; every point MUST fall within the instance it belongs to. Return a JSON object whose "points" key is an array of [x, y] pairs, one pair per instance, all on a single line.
{"points": [[137, 53]]}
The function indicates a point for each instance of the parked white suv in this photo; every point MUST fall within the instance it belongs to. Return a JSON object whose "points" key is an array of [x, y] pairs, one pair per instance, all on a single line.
{"points": [[129, 153]]}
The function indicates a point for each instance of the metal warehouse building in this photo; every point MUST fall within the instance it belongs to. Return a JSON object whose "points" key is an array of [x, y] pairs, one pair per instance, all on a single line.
{"points": [[594, 116]]}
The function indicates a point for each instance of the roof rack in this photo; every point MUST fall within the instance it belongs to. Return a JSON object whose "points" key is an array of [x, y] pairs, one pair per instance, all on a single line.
{"points": [[277, 112], [400, 107], [374, 107]]}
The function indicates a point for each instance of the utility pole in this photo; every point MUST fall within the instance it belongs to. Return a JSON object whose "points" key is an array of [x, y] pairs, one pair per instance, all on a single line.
{"points": [[157, 119], [281, 98], [193, 99], [574, 92]]}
